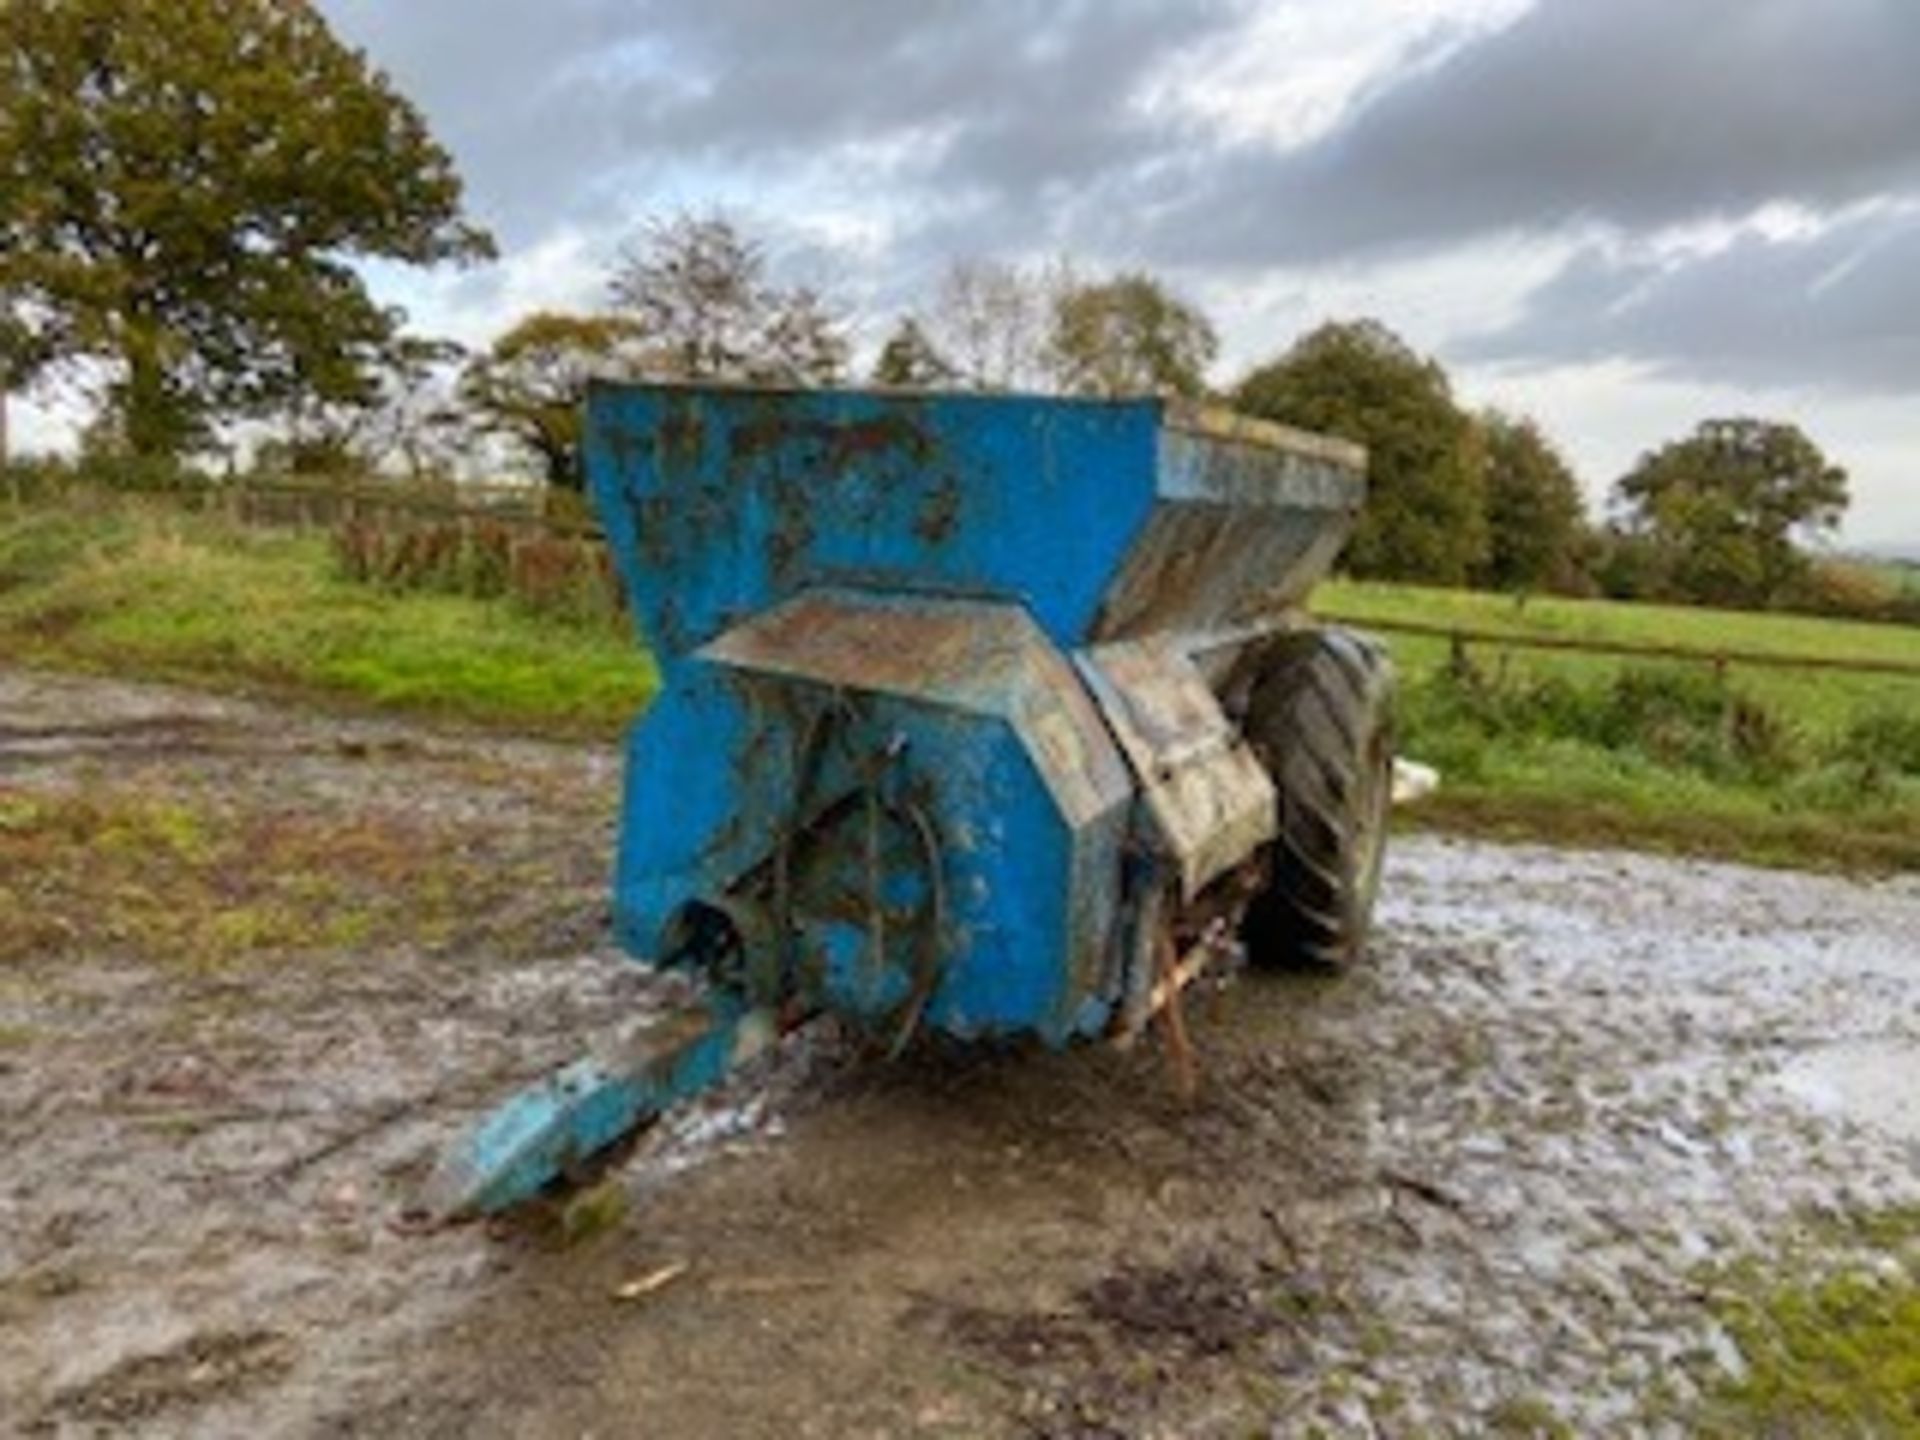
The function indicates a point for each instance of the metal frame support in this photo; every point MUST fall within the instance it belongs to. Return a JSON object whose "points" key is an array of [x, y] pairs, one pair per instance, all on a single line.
{"points": [[549, 1130]]}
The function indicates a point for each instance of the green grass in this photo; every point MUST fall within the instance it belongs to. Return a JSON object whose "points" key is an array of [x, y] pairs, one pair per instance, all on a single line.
{"points": [[1810, 768], [142, 589], [1624, 622], [1829, 1349], [169, 871]]}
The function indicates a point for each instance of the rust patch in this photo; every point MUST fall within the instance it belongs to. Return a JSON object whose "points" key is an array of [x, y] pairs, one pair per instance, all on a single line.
{"points": [[939, 515], [682, 433], [877, 437], [889, 648], [673, 637], [793, 532], [651, 518], [839, 443], [626, 445]]}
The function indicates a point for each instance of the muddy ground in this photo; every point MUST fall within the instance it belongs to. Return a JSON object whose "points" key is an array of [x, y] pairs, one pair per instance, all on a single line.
{"points": [[256, 965]]}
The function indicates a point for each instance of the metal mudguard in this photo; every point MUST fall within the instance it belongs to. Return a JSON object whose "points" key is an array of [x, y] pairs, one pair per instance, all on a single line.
{"points": [[1209, 803]]}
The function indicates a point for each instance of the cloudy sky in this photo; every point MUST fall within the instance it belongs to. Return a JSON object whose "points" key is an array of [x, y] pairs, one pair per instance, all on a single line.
{"points": [[1619, 215]]}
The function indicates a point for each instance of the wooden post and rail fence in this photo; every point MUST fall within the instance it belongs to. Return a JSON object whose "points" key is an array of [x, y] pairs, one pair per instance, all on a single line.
{"points": [[1461, 637]]}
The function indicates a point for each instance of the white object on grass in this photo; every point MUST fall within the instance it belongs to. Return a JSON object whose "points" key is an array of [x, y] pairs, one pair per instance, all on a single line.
{"points": [[1413, 781]]}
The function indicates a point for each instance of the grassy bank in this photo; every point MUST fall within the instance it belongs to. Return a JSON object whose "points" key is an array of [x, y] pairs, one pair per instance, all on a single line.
{"points": [[140, 588], [1797, 767]]}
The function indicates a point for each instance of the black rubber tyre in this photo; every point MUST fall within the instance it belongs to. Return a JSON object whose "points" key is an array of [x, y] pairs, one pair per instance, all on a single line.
{"points": [[1320, 717]]}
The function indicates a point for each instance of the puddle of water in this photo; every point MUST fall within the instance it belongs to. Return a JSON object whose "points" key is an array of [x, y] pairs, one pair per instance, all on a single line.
{"points": [[1876, 1084]]}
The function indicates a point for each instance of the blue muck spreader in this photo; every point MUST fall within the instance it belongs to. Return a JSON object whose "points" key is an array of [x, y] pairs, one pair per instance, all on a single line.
{"points": [[987, 715]]}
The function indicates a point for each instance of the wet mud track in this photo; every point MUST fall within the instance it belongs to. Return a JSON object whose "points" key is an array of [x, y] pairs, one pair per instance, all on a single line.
{"points": [[257, 964]]}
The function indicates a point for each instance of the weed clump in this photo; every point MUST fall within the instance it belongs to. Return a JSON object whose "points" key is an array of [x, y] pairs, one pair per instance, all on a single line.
{"points": [[1676, 719], [1836, 1353], [39, 545], [175, 877], [1884, 739], [1693, 720]]}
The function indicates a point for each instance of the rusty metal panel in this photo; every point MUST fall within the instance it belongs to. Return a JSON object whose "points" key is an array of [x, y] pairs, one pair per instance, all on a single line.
{"points": [[1102, 519], [1197, 569], [1211, 801], [968, 654], [974, 656], [1249, 516], [1211, 454], [720, 503]]}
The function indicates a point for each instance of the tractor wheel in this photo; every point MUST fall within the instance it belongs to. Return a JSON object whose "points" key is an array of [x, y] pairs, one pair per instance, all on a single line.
{"points": [[1320, 717]]}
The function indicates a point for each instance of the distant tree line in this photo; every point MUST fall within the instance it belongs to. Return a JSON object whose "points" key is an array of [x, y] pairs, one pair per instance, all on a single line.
{"points": [[1456, 497], [1730, 515], [188, 187]]}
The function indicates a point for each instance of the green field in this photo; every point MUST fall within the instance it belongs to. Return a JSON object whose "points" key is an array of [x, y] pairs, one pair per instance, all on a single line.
{"points": [[1824, 698], [1807, 767], [142, 589]]}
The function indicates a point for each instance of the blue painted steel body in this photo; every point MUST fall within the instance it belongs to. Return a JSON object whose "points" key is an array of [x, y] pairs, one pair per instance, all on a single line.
{"points": [[1092, 520], [987, 737], [719, 503], [936, 711]]}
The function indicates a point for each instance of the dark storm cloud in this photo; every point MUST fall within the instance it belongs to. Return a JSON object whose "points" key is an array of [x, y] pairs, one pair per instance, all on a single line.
{"points": [[1839, 311], [1634, 113], [1014, 124], [548, 105], [1637, 113], [494, 83]]}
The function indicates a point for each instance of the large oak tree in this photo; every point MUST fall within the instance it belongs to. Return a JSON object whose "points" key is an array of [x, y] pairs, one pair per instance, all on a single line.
{"points": [[1726, 508], [184, 187]]}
